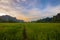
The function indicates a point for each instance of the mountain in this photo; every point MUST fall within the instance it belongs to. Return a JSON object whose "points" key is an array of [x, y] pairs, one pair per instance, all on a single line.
{"points": [[7, 18], [54, 19]]}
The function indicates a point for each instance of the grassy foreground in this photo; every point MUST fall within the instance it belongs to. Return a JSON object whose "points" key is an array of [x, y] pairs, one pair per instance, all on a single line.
{"points": [[29, 31]]}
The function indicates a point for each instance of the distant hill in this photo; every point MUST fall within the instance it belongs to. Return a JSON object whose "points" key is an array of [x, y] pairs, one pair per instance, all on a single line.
{"points": [[7, 18], [54, 19]]}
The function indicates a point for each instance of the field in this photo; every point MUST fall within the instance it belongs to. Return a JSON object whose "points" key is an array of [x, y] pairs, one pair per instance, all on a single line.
{"points": [[29, 31]]}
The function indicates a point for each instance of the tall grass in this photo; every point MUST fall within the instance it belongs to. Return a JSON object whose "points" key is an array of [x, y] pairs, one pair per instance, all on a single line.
{"points": [[29, 31]]}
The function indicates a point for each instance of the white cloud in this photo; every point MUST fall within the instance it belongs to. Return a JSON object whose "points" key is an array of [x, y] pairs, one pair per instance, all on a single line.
{"points": [[12, 11], [49, 11], [24, 0], [13, 8]]}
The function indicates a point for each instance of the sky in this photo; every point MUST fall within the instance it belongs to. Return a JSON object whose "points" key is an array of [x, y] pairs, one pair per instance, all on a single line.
{"points": [[29, 10]]}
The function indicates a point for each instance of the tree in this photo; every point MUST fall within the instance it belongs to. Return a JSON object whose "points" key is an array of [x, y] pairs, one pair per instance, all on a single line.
{"points": [[9, 19], [52, 19]]}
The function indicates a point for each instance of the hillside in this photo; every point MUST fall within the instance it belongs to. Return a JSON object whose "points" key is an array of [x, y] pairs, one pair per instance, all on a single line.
{"points": [[54, 19], [7, 18]]}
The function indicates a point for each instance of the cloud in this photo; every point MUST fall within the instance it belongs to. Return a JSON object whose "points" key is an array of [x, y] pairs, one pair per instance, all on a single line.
{"points": [[28, 9], [15, 7], [49, 11], [12, 11], [24, 0]]}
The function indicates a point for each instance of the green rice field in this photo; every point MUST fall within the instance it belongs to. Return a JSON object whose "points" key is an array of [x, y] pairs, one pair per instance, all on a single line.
{"points": [[29, 31]]}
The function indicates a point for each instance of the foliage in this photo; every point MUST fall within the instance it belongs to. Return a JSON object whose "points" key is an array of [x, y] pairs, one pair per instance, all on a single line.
{"points": [[29, 31], [9, 19], [54, 19]]}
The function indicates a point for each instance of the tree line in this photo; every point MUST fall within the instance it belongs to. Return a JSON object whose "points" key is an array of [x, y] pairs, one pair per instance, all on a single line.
{"points": [[54, 19], [9, 19]]}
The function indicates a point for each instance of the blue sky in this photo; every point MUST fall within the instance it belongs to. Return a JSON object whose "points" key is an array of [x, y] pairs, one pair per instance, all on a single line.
{"points": [[30, 9], [40, 4]]}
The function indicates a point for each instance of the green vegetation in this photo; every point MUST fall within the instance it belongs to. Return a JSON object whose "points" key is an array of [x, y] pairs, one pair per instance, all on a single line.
{"points": [[29, 31], [9, 19], [54, 19]]}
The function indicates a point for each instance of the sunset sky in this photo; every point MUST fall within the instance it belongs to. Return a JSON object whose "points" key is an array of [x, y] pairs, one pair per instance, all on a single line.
{"points": [[29, 10]]}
